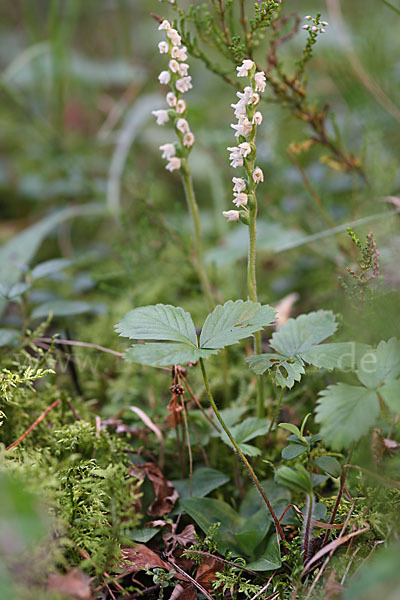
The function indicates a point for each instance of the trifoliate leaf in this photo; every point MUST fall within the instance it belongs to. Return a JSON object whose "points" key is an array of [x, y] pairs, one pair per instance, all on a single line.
{"points": [[346, 413], [298, 342], [158, 322], [163, 354], [234, 321], [174, 335]]}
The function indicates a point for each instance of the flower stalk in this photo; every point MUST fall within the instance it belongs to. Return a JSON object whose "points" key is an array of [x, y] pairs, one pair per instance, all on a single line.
{"points": [[244, 189], [177, 155]]}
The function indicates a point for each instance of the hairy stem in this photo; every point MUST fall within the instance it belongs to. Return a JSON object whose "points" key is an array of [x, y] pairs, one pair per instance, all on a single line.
{"points": [[198, 246], [242, 456]]}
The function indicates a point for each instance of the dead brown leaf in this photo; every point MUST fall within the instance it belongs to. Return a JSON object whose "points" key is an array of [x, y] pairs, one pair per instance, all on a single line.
{"points": [[206, 573], [182, 592], [186, 537], [284, 309], [74, 584], [140, 557], [166, 494]]}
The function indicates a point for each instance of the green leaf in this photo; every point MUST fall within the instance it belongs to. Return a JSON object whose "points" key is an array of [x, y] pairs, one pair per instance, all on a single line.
{"points": [[390, 393], [380, 365], [299, 335], [329, 464], [49, 267], [292, 451], [61, 308], [295, 478], [158, 322], [271, 558], [341, 355], [143, 535], [19, 252], [164, 354], [297, 342], [234, 321], [292, 428], [204, 481], [207, 511], [249, 429], [346, 413], [253, 504], [9, 337], [285, 371]]}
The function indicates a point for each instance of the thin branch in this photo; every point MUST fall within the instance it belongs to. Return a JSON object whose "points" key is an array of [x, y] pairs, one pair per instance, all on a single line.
{"points": [[38, 420]]}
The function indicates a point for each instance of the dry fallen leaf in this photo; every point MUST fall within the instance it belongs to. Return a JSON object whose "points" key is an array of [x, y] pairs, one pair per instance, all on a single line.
{"points": [[206, 572], [284, 309], [74, 584], [186, 537], [141, 557], [166, 494]]}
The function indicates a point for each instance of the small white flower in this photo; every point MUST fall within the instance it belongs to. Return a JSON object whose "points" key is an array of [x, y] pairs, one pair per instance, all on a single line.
{"points": [[239, 184], [179, 53], [308, 18], [245, 149], [168, 151], [183, 84], [174, 164], [240, 109], [257, 119], [255, 98], [161, 115], [260, 81], [183, 126], [231, 215], [258, 175], [246, 95], [188, 139], [243, 127], [235, 157], [324, 23], [180, 107], [171, 99], [173, 65], [183, 69], [163, 47], [165, 25], [245, 67], [174, 37], [240, 199], [164, 77]]}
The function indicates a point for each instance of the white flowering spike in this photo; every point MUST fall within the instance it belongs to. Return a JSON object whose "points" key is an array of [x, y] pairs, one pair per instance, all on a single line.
{"points": [[245, 67], [240, 199], [174, 164], [239, 184], [245, 149], [173, 65], [184, 84], [260, 81], [183, 126], [168, 151], [164, 77], [188, 139], [163, 47], [258, 175], [165, 25], [180, 107], [171, 99], [161, 116], [231, 215], [174, 37], [243, 127], [257, 119]]}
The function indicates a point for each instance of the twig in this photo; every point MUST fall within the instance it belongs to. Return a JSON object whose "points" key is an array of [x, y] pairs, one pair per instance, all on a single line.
{"points": [[75, 343], [38, 420]]}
